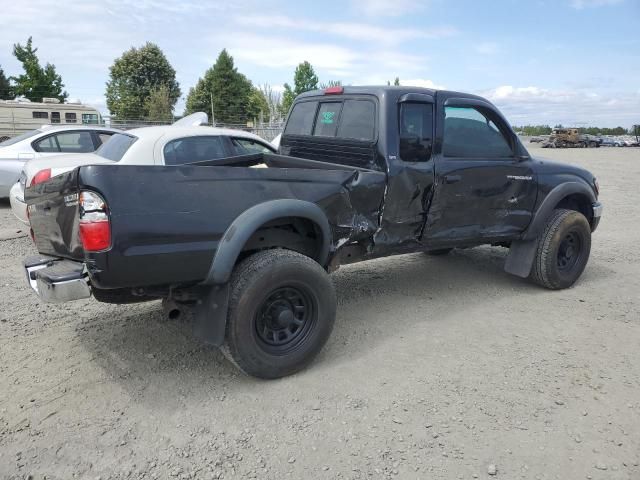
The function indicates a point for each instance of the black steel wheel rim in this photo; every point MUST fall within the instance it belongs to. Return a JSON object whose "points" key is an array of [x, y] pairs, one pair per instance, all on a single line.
{"points": [[284, 319], [569, 251]]}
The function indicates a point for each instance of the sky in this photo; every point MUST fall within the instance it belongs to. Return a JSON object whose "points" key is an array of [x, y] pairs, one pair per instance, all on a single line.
{"points": [[575, 62]]}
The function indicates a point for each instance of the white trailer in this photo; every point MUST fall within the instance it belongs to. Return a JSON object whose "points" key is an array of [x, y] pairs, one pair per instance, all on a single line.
{"points": [[20, 116]]}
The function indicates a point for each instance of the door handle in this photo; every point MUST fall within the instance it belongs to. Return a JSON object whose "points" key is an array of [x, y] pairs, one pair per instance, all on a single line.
{"points": [[452, 178]]}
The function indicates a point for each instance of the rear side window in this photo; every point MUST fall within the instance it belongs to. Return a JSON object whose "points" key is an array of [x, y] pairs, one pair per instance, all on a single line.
{"points": [[75, 142], [193, 149], [244, 146], [46, 145], [469, 133], [301, 119], [358, 120], [327, 119]]}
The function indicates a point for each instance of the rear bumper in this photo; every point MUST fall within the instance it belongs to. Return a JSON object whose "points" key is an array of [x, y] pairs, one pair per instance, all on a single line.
{"points": [[597, 214], [57, 280]]}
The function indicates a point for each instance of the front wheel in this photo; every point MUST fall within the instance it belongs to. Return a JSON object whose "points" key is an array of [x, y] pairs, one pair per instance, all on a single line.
{"points": [[282, 307], [563, 250]]}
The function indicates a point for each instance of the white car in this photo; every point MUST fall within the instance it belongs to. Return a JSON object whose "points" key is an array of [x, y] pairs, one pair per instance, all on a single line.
{"points": [[45, 142], [183, 142]]}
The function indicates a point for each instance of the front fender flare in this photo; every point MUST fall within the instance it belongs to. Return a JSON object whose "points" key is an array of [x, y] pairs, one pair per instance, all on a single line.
{"points": [[522, 252], [239, 232], [549, 203]]}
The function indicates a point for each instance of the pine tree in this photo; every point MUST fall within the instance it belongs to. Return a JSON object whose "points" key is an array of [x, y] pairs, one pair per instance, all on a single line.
{"points": [[230, 94], [36, 82]]}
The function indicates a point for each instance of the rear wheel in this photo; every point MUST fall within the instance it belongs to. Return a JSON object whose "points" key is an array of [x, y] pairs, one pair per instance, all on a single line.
{"points": [[563, 250], [281, 312]]}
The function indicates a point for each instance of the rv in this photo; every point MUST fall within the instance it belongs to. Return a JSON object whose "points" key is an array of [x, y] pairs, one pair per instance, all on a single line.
{"points": [[21, 115]]}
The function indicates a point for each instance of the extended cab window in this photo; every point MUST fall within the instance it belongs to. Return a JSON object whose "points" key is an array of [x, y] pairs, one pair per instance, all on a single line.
{"points": [[469, 133], [301, 118], [194, 149], [416, 131]]}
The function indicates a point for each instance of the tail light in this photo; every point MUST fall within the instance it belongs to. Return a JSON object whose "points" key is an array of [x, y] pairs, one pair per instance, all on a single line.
{"points": [[596, 186], [41, 176], [95, 228]]}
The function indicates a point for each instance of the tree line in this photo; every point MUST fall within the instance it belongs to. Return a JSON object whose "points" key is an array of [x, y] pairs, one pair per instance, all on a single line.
{"points": [[142, 84], [534, 130]]}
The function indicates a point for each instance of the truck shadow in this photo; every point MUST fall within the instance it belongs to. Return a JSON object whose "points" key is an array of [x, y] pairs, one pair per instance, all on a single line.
{"points": [[137, 348]]}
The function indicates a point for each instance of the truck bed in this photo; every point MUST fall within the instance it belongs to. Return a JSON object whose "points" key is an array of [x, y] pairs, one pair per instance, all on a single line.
{"points": [[167, 221]]}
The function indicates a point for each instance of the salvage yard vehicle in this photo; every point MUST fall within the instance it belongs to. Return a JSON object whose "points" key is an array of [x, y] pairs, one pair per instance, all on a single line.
{"points": [[186, 140], [43, 142], [21, 115], [362, 173], [570, 138]]}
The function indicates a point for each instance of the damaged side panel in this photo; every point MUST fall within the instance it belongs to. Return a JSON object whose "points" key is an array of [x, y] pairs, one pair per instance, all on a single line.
{"points": [[182, 220]]}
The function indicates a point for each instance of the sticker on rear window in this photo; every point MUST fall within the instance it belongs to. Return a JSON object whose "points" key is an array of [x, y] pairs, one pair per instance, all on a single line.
{"points": [[327, 117]]}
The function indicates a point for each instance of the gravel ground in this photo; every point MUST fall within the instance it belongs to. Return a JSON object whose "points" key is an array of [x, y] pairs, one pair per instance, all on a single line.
{"points": [[438, 368]]}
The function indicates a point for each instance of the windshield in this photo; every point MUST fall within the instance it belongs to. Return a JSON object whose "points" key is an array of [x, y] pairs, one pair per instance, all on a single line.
{"points": [[116, 147], [19, 138]]}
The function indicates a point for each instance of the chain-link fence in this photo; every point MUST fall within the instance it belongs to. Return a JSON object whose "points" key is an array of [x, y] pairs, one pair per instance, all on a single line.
{"points": [[267, 131]]}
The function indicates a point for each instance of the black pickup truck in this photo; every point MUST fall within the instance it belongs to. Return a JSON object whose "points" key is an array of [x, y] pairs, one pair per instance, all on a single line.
{"points": [[247, 242]]}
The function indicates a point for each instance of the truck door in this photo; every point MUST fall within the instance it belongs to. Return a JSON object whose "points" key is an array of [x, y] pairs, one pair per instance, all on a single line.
{"points": [[486, 186], [410, 133]]}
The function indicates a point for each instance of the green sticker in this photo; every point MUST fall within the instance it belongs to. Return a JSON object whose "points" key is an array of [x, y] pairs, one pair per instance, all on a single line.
{"points": [[327, 117]]}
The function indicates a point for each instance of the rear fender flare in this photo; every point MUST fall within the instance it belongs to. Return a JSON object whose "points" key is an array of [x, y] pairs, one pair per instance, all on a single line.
{"points": [[239, 232]]}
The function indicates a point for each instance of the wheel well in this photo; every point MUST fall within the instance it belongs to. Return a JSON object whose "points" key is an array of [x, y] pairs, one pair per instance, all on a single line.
{"points": [[579, 203], [293, 233]]}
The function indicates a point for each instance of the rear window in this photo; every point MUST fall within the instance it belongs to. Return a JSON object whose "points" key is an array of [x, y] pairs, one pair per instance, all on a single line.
{"points": [[327, 119], [350, 118], [358, 120], [301, 119], [115, 148]]}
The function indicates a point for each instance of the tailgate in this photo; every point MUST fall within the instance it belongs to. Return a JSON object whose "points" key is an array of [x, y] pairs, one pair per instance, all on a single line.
{"points": [[53, 213]]}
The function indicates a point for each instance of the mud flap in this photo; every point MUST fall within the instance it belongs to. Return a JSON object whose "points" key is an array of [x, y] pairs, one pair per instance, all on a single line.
{"points": [[210, 315], [521, 256]]}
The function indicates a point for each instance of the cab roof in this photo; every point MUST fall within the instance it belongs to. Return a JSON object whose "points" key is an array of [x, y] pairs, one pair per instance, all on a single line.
{"points": [[386, 90]]}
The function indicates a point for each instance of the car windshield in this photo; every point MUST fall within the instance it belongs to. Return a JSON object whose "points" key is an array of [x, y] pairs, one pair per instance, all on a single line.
{"points": [[116, 147], [19, 138]]}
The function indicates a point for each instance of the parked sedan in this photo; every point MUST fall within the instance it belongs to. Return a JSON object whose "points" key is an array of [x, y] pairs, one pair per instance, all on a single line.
{"points": [[45, 142], [183, 142]]}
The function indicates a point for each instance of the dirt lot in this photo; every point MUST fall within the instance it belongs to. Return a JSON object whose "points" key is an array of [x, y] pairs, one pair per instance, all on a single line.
{"points": [[438, 368]]}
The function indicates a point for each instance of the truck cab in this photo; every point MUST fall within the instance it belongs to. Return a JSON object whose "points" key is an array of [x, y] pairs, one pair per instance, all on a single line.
{"points": [[457, 175]]}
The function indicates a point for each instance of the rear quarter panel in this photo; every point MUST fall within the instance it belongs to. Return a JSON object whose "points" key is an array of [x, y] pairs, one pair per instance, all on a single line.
{"points": [[167, 221]]}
